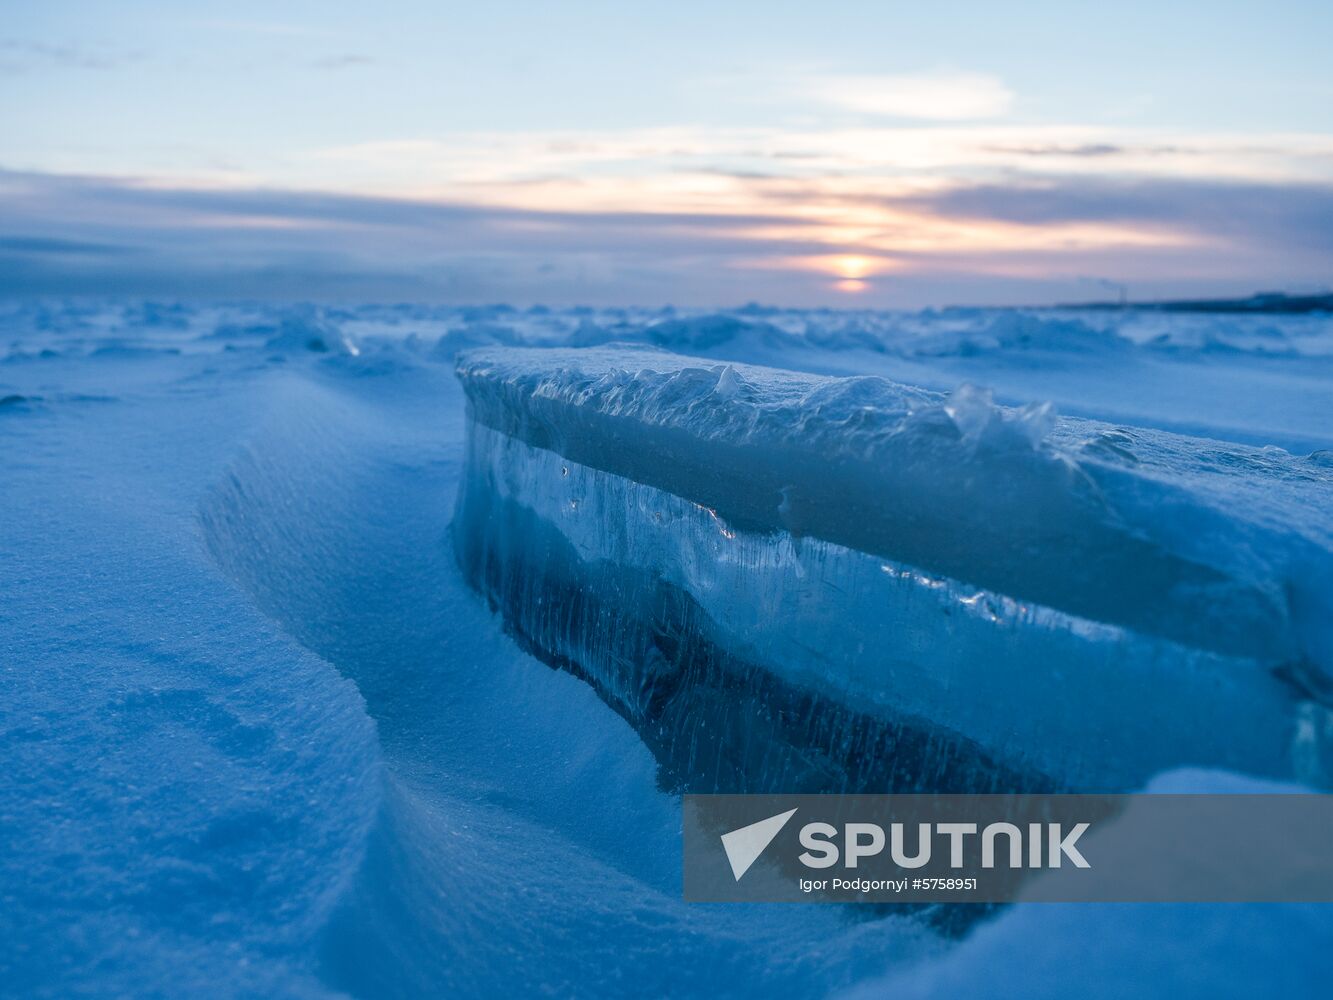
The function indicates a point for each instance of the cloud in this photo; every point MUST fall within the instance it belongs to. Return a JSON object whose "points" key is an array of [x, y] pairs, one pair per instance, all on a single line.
{"points": [[17, 56], [1290, 216], [1086, 149], [936, 97], [785, 241], [346, 60], [254, 242], [25, 245]]}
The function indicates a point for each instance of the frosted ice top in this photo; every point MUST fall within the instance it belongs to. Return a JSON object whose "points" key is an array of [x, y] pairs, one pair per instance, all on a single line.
{"points": [[1207, 544]]}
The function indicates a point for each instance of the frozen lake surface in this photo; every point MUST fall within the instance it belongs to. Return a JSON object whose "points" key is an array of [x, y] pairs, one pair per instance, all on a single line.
{"points": [[261, 736]]}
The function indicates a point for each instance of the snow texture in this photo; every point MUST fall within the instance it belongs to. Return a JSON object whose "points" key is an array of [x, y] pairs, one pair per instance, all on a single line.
{"points": [[260, 737]]}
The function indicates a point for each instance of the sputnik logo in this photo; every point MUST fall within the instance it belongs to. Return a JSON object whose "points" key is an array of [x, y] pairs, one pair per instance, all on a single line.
{"points": [[744, 846]]}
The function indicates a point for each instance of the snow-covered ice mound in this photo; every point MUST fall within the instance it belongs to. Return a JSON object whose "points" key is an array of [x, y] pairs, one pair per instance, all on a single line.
{"points": [[1135, 949]]}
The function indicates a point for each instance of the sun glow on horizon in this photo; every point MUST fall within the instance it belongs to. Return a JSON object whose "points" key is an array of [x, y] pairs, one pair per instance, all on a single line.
{"points": [[853, 267], [852, 271]]}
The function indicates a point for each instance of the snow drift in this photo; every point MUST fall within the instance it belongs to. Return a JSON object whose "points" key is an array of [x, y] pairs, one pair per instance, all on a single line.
{"points": [[261, 737]]}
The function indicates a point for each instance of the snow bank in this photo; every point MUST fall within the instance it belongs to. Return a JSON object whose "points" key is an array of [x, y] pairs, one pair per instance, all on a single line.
{"points": [[310, 330], [1041, 950]]}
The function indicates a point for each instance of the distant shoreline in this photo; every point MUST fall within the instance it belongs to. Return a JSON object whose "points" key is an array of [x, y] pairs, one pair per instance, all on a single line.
{"points": [[1264, 302]]}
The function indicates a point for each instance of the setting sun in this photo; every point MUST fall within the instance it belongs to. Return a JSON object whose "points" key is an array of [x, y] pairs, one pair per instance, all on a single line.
{"points": [[853, 268]]}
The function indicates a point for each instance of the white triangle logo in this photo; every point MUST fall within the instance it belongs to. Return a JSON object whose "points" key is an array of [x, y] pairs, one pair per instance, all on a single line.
{"points": [[744, 846]]}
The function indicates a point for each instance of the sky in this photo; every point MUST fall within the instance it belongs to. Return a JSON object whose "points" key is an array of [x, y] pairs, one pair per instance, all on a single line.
{"points": [[887, 155]]}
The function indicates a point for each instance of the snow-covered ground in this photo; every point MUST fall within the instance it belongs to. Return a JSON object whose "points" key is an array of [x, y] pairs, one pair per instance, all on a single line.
{"points": [[259, 735]]}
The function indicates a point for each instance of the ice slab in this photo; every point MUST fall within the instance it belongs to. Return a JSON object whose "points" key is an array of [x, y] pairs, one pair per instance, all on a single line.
{"points": [[788, 580]]}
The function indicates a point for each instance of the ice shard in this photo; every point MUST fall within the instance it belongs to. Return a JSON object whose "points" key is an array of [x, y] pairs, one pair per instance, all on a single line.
{"points": [[801, 583]]}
